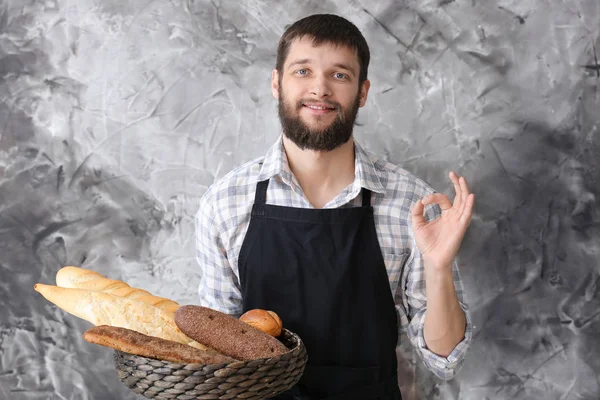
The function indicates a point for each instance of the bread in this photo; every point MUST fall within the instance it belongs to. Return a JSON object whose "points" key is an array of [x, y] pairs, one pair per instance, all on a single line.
{"points": [[81, 278], [133, 342], [227, 334], [267, 321], [106, 309]]}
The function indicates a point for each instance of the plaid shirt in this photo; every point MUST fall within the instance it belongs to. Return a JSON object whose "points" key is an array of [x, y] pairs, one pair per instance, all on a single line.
{"points": [[224, 215]]}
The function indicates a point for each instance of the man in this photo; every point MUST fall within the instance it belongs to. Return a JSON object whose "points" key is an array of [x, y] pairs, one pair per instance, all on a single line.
{"points": [[348, 249]]}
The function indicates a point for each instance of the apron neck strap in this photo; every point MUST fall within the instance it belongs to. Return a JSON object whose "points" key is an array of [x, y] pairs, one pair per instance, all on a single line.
{"points": [[366, 197], [260, 196]]}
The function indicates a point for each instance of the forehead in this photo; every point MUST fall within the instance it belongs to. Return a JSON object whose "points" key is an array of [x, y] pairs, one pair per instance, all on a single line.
{"points": [[326, 52]]}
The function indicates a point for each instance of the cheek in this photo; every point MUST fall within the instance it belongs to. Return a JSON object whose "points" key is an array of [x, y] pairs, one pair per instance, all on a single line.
{"points": [[350, 98], [295, 87], [293, 92]]}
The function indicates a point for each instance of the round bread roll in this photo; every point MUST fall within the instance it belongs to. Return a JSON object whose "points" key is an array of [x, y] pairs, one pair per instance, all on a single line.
{"points": [[267, 321]]}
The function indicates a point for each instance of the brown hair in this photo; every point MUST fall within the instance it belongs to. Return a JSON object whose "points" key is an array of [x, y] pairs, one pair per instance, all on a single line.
{"points": [[326, 28]]}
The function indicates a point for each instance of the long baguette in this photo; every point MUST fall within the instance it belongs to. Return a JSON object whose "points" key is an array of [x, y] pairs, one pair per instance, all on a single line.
{"points": [[81, 278], [106, 309], [133, 342]]}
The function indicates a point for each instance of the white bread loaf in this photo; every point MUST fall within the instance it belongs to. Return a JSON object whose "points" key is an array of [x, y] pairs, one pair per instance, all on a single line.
{"points": [[81, 278], [106, 309]]}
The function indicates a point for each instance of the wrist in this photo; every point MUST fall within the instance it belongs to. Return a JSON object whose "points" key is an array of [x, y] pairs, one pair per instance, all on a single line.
{"points": [[438, 273], [437, 266]]}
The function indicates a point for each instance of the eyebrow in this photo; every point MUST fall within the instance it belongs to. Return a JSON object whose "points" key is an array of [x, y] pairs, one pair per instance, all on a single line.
{"points": [[309, 61]]}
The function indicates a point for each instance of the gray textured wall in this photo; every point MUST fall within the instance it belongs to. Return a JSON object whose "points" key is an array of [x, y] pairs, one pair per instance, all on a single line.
{"points": [[116, 116]]}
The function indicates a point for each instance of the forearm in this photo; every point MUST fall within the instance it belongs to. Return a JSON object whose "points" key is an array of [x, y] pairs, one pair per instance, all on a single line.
{"points": [[445, 320]]}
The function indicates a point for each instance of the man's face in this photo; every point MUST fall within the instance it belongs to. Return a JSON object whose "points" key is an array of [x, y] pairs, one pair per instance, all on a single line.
{"points": [[319, 94]]}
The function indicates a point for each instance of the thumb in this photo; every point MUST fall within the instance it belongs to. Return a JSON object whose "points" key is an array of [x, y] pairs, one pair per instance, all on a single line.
{"points": [[418, 219]]}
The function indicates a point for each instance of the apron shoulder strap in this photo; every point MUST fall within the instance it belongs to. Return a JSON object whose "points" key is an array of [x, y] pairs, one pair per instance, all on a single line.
{"points": [[260, 197], [366, 197]]}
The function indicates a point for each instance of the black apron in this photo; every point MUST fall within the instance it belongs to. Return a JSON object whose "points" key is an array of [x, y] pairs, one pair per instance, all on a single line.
{"points": [[322, 271]]}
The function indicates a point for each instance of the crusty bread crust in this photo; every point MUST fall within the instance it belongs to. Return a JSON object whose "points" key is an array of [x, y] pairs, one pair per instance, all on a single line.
{"points": [[227, 334], [81, 278], [133, 342], [101, 308], [267, 321]]}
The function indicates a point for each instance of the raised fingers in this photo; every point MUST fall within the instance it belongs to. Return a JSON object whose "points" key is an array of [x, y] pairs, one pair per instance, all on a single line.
{"points": [[465, 216], [457, 189], [464, 188]]}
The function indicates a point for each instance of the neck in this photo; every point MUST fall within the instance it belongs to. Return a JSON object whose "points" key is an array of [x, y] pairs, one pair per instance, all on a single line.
{"points": [[322, 175]]}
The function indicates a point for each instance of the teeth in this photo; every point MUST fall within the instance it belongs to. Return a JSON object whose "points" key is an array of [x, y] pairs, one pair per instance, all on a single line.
{"points": [[317, 108]]}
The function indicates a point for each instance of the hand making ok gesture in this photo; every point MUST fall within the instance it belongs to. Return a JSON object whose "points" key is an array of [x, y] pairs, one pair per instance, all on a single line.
{"points": [[439, 239]]}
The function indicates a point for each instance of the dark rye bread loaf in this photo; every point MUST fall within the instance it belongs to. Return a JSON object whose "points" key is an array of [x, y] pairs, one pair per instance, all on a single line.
{"points": [[227, 334], [133, 342]]}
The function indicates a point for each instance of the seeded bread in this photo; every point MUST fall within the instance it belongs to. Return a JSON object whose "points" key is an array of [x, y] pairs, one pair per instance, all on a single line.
{"points": [[226, 334]]}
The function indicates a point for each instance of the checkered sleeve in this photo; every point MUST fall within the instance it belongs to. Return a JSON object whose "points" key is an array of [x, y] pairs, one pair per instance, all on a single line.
{"points": [[219, 288], [416, 304]]}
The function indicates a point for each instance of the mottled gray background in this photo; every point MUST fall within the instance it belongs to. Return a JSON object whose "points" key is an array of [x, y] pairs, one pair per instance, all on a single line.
{"points": [[116, 116]]}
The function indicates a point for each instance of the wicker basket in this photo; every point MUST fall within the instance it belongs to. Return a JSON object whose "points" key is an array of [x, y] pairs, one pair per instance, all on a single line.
{"points": [[251, 380]]}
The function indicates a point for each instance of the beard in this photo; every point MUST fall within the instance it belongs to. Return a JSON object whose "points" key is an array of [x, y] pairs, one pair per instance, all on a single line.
{"points": [[329, 138]]}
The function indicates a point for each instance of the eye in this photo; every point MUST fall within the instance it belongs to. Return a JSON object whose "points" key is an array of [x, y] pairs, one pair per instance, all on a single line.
{"points": [[339, 75], [302, 71]]}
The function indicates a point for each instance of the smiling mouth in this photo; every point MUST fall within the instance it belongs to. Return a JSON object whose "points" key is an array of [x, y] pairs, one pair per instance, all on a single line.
{"points": [[321, 108]]}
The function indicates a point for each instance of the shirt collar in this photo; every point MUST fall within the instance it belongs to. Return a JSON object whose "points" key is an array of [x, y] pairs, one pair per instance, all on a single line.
{"points": [[365, 173], [275, 163]]}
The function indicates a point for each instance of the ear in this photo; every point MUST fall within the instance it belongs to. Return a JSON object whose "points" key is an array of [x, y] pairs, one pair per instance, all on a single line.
{"points": [[364, 92], [275, 84]]}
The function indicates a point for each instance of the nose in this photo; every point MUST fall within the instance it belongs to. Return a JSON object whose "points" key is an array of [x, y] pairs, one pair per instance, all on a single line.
{"points": [[320, 87]]}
